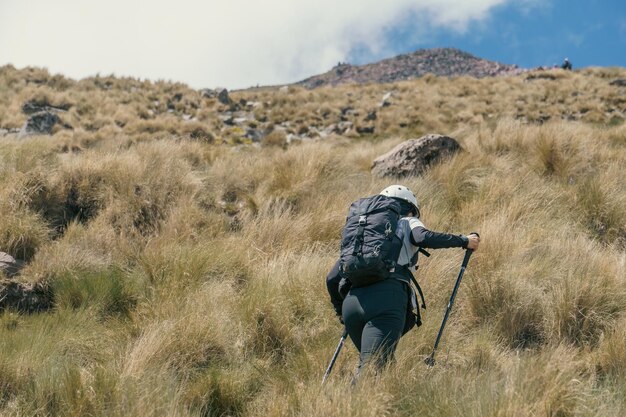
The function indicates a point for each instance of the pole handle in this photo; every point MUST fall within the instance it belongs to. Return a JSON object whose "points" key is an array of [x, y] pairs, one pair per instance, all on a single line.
{"points": [[468, 253]]}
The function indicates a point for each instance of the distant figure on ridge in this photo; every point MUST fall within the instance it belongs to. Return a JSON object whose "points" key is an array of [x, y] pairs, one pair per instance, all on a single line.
{"points": [[566, 65]]}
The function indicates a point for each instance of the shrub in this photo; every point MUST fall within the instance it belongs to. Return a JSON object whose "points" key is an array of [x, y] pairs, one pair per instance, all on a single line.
{"points": [[108, 292]]}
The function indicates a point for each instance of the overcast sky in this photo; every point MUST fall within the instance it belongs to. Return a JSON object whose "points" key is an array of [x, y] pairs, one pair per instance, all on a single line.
{"points": [[241, 43]]}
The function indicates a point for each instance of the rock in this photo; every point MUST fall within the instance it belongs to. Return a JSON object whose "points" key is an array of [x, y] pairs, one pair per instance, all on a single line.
{"points": [[220, 93], [343, 127], [620, 82], [347, 111], [9, 265], [240, 120], [254, 135], [365, 130], [292, 138], [327, 131], [40, 124], [208, 93], [414, 156], [385, 101], [371, 116], [227, 119], [223, 97]]}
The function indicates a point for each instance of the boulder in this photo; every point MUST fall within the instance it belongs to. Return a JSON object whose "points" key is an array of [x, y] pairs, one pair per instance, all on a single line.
{"points": [[620, 82], [221, 94], [223, 97], [40, 123], [9, 265], [414, 156]]}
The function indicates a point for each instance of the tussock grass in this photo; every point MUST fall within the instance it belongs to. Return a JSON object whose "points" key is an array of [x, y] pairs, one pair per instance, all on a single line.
{"points": [[188, 276]]}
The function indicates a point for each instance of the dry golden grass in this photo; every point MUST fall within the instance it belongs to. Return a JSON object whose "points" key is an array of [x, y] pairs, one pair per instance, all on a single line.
{"points": [[189, 276]]}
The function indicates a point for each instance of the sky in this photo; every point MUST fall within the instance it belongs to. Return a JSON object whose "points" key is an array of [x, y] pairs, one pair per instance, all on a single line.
{"points": [[244, 43]]}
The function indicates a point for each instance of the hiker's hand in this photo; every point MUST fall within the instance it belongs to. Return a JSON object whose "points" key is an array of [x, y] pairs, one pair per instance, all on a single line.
{"points": [[473, 241]]}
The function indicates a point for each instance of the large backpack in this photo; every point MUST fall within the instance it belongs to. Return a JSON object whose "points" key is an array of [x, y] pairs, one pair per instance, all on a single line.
{"points": [[369, 245]]}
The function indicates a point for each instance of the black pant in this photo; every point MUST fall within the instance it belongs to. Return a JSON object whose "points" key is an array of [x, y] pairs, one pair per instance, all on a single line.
{"points": [[374, 317]]}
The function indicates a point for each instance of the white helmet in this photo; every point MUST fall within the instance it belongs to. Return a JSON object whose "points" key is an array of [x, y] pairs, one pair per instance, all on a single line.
{"points": [[403, 193]]}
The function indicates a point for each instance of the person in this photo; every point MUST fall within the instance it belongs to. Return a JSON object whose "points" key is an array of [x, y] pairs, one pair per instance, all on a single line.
{"points": [[377, 315], [566, 64]]}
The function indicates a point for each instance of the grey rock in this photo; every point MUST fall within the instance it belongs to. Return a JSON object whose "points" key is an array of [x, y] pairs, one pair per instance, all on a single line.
{"points": [[9, 265], [227, 119], [620, 82], [40, 124], [371, 116], [365, 130], [221, 94], [255, 135], [330, 129], [343, 127], [208, 93], [347, 111], [414, 156]]}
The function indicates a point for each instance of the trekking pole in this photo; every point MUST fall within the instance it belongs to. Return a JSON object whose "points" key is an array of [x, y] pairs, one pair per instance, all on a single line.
{"points": [[430, 361], [332, 361]]}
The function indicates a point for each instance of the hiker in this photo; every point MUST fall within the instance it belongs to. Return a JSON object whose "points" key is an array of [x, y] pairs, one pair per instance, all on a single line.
{"points": [[566, 65], [377, 315]]}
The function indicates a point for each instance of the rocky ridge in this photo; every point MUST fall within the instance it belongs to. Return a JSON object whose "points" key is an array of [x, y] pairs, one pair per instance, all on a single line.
{"points": [[449, 62]]}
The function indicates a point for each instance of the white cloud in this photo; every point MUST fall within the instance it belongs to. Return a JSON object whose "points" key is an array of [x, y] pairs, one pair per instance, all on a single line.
{"points": [[233, 43]]}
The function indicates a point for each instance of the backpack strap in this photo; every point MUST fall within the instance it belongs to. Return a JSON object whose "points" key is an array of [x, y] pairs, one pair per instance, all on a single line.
{"points": [[358, 244], [419, 290]]}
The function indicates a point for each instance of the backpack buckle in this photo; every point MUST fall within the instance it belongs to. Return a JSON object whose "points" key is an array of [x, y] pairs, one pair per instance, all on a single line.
{"points": [[362, 220]]}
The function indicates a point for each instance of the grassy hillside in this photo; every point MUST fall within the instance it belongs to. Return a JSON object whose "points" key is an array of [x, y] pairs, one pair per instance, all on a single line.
{"points": [[187, 276]]}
